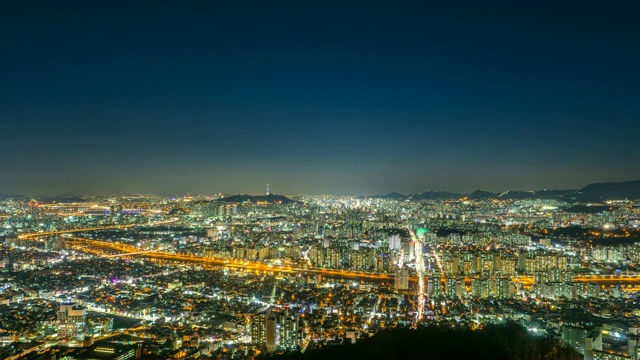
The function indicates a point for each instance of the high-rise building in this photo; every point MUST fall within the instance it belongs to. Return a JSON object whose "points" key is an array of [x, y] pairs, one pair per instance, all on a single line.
{"points": [[632, 347], [544, 262], [408, 249], [593, 290], [271, 335], [585, 341], [450, 264], [450, 287], [8, 262], [395, 243], [435, 286], [507, 266], [35, 210], [72, 320], [487, 263], [505, 288], [481, 288], [560, 274], [402, 278], [333, 258], [264, 330], [258, 330], [290, 334], [455, 287]]}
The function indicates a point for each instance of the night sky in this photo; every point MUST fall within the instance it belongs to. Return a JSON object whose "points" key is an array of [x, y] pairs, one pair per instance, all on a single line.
{"points": [[317, 97]]}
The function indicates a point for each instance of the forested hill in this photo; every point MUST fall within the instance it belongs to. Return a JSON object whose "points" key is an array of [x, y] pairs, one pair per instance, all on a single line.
{"points": [[510, 341]]}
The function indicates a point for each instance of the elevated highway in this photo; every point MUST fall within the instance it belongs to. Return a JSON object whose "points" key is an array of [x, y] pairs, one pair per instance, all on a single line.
{"points": [[123, 250]]}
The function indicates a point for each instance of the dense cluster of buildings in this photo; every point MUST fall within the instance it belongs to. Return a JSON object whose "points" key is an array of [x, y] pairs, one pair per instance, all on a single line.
{"points": [[238, 279]]}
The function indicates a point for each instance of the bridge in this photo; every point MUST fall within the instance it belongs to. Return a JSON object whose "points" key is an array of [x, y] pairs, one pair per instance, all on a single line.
{"points": [[95, 228]]}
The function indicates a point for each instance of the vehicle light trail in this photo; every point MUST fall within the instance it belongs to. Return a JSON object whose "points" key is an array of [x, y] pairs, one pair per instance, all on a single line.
{"points": [[66, 231], [420, 270]]}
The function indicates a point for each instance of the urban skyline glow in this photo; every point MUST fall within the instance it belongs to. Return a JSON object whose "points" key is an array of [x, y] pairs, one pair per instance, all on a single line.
{"points": [[309, 180]]}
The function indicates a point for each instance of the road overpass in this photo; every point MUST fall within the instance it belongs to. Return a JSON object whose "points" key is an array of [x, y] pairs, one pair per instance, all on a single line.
{"points": [[95, 228], [130, 251]]}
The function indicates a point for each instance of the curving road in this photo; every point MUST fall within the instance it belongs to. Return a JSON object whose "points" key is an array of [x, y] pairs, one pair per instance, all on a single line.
{"points": [[126, 250], [98, 228]]}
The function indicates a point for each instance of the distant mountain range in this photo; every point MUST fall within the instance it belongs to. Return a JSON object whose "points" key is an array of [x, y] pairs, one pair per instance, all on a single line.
{"points": [[62, 198], [590, 193]]}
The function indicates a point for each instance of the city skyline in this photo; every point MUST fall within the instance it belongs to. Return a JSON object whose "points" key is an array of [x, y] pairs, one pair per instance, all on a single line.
{"points": [[301, 180], [622, 187], [221, 275], [216, 97]]}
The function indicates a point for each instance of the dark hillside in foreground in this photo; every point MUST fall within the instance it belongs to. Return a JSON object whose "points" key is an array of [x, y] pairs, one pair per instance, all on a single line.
{"points": [[510, 341]]}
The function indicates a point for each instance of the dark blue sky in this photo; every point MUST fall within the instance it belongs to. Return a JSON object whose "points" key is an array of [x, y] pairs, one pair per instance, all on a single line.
{"points": [[317, 96]]}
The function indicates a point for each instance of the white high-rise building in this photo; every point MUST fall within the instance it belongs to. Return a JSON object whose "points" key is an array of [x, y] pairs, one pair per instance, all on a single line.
{"points": [[395, 242], [72, 320]]}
